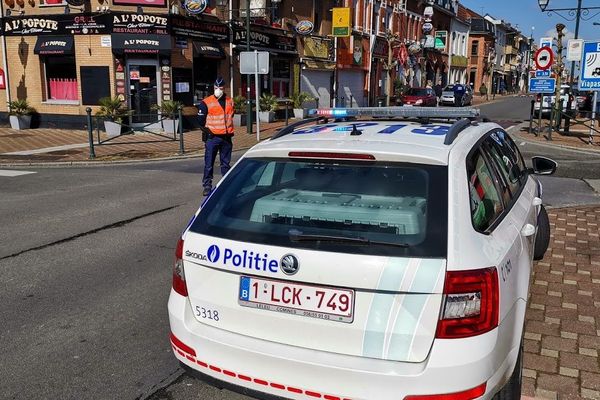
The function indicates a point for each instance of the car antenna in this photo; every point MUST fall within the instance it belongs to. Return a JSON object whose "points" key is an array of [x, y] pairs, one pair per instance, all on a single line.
{"points": [[355, 132]]}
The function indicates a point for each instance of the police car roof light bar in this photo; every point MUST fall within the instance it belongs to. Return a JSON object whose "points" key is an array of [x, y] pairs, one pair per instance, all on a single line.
{"points": [[406, 112]]}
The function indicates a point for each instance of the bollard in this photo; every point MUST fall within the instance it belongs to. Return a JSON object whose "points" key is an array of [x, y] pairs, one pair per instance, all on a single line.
{"points": [[531, 115], [550, 124], [90, 132], [539, 128], [287, 104], [180, 129]]}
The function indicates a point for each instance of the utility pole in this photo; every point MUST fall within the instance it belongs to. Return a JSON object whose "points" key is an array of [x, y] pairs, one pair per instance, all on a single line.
{"points": [[559, 68], [249, 77]]}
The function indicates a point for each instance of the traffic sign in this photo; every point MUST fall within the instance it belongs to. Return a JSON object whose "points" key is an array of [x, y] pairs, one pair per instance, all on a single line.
{"points": [[590, 67], [254, 62], [546, 42], [544, 58], [542, 85], [542, 73]]}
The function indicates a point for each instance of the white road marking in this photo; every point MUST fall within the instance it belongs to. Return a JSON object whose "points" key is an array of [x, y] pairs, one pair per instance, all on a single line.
{"points": [[12, 173], [47, 149]]}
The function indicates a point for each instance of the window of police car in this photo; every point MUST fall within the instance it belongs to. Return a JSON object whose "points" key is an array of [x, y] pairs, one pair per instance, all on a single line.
{"points": [[486, 201], [507, 159], [371, 208]]}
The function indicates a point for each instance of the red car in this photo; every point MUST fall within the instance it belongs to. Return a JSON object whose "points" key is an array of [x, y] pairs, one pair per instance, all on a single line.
{"points": [[424, 97]]}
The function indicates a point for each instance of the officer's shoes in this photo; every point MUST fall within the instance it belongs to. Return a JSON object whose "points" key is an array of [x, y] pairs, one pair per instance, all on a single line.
{"points": [[206, 191]]}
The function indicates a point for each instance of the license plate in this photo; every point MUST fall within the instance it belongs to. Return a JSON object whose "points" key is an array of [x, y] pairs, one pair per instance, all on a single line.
{"points": [[333, 304]]}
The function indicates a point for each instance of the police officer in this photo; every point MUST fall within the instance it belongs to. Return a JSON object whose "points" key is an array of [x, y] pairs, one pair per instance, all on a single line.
{"points": [[215, 114]]}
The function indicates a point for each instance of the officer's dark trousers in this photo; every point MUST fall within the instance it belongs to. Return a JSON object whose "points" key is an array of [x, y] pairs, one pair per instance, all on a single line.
{"points": [[221, 144]]}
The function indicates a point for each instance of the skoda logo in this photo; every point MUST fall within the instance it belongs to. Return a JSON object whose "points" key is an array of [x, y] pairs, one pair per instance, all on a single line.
{"points": [[213, 253], [289, 264]]}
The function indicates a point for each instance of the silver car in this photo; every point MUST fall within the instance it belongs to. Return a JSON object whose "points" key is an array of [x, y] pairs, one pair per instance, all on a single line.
{"points": [[451, 95]]}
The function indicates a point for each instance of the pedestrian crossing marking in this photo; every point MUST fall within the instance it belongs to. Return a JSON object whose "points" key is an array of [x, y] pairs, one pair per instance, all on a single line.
{"points": [[11, 173]]}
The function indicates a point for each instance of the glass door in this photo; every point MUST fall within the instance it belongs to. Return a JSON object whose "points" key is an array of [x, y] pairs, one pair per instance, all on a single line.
{"points": [[143, 92]]}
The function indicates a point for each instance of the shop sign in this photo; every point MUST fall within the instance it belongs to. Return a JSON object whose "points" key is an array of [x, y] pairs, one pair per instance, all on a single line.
{"points": [[86, 24], [191, 27], [441, 37], [265, 39], [150, 3], [357, 50], [30, 26], [341, 22], [317, 47], [195, 6], [427, 27], [380, 48], [74, 24], [140, 23], [304, 27], [105, 41], [459, 61]]}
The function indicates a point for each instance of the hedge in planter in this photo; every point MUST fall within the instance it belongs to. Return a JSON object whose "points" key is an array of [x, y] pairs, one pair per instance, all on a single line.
{"points": [[20, 114]]}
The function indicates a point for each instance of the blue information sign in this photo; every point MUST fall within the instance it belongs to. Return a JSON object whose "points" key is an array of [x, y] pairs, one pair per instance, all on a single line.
{"points": [[542, 74], [542, 85], [590, 67]]}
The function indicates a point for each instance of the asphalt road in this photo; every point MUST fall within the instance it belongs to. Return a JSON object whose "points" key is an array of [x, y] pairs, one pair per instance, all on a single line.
{"points": [[85, 271]]}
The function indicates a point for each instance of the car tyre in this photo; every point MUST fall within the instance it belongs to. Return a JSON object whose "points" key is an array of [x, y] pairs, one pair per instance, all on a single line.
{"points": [[512, 389], [542, 239]]}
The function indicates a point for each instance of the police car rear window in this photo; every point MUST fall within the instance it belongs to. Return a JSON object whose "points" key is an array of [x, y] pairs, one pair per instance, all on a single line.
{"points": [[362, 208]]}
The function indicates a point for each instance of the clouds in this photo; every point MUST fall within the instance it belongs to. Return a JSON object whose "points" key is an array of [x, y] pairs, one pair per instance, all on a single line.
{"points": [[568, 34]]}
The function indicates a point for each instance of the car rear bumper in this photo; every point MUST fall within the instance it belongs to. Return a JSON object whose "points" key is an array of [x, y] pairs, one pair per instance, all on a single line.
{"points": [[300, 373]]}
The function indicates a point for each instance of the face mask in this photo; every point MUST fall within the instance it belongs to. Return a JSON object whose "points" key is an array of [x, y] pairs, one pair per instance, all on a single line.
{"points": [[218, 93]]}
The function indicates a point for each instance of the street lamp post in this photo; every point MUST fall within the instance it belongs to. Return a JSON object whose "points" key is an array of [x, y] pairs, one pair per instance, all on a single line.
{"points": [[573, 14]]}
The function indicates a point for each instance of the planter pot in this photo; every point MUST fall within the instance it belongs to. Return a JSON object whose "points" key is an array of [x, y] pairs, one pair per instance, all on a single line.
{"points": [[300, 113], [169, 124], [20, 121], [112, 128], [266, 116], [239, 120]]}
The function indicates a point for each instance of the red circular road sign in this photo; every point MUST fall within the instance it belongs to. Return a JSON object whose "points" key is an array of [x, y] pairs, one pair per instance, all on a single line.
{"points": [[544, 58]]}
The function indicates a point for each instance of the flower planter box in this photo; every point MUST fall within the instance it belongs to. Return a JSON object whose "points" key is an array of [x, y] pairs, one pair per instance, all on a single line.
{"points": [[19, 122], [170, 125], [239, 120], [266, 116], [112, 128], [300, 113]]}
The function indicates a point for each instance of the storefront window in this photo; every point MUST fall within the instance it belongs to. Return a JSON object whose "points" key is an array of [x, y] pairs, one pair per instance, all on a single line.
{"points": [[61, 78], [281, 77]]}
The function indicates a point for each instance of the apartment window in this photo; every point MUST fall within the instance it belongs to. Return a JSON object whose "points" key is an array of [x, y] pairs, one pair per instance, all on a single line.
{"points": [[61, 78], [475, 49]]}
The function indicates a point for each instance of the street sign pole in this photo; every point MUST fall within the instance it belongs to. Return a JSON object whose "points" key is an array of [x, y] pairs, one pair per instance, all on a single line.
{"points": [[248, 92], [256, 88], [593, 123]]}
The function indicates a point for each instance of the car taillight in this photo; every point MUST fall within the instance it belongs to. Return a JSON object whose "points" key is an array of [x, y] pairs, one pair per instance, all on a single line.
{"points": [[538, 97], [466, 395], [470, 304], [178, 273]]}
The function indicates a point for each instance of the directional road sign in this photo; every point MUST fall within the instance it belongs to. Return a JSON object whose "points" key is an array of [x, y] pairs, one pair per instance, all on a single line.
{"points": [[546, 42], [544, 58], [590, 67], [542, 85], [542, 73]]}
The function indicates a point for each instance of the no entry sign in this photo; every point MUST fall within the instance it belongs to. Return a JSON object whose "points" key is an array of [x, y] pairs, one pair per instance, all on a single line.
{"points": [[544, 58]]}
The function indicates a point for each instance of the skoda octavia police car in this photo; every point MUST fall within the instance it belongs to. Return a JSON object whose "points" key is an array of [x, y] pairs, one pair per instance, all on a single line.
{"points": [[382, 258]]}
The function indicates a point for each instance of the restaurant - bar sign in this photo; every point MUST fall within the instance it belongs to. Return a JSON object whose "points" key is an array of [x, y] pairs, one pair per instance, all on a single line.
{"points": [[144, 24], [74, 24], [195, 28]]}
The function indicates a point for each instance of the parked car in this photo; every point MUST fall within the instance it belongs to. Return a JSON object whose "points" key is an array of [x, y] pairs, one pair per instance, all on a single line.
{"points": [[424, 97], [451, 95], [548, 100], [370, 260]]}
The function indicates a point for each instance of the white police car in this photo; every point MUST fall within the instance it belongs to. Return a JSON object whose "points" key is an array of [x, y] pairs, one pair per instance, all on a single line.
{"points": [[370, 259]]}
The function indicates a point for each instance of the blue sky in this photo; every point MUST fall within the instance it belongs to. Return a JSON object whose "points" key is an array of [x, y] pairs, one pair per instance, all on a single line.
{"points": [[526, 13]]}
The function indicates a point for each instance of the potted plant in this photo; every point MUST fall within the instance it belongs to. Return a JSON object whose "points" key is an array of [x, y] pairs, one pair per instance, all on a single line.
{"points": [[20, 114], [268, 106], [113, 110], [299, 98], [239, 104], [169, 111]]}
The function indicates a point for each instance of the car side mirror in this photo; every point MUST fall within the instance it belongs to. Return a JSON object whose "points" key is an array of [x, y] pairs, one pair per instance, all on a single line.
{"points": [[543, 165]]}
